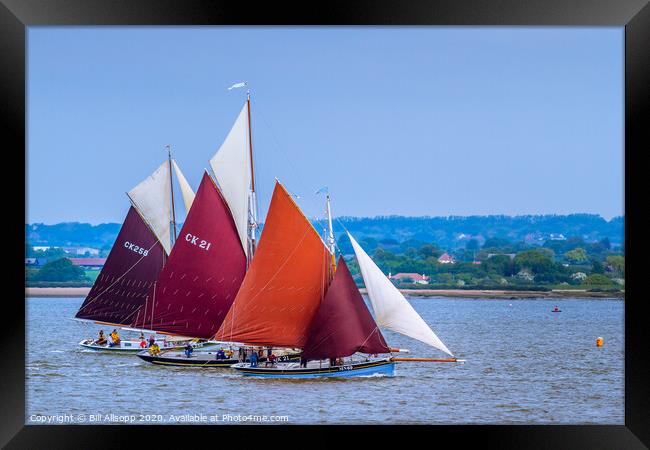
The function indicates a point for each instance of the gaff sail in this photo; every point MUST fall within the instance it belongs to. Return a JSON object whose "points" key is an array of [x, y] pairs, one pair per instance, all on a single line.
{"points": [[343, 325], [232, 168], [186, 190], [204, 271], [129, 273], [285, 282], [392, 310], [152, 199]]}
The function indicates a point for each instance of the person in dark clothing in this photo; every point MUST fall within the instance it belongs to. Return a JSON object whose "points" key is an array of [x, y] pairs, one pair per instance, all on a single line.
{"points": [[242, 354], [270, 360], [332, 362], [102, 339], [303, 362], [189, 349], [254, 359], [152, 340]]}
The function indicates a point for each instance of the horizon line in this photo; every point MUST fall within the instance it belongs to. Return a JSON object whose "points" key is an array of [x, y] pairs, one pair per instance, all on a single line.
{"points": [[391, 216]]}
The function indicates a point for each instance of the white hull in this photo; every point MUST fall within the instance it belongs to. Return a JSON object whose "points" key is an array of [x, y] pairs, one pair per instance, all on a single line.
{"points": [[133, 345]]}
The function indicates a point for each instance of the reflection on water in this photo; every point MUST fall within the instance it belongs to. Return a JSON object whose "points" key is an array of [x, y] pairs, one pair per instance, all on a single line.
{"points": [[524, 365]]}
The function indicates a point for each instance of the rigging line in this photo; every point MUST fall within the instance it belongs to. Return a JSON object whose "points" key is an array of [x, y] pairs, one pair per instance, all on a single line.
{"points": [[301, 182], [120, 277], [153, 302], [376, 329], [284, 154], [344, 229]]}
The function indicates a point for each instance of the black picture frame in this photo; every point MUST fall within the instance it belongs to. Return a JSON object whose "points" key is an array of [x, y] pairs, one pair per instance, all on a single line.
{"points": [[634, 15]]}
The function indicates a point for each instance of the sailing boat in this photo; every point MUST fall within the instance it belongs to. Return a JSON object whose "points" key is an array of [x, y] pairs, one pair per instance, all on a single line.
{"points": [[136, 258], [287, 299], [207, 265], [200, 280], [285, 282]]}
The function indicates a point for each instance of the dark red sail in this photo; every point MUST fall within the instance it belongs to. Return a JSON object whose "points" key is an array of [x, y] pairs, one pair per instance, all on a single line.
{"points": [[128, 275], [203, 274], [343, 325]]}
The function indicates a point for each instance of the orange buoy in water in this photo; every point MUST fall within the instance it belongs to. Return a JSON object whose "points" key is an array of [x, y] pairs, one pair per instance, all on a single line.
{"points": [[599, 342]]}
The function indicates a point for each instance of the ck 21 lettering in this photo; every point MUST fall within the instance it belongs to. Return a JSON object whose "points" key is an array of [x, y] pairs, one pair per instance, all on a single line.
{"points": [[194, 240], [135, 248]]}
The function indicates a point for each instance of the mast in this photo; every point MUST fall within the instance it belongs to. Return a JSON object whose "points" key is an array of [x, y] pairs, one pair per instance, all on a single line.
{"points": [[252, 207], [330, 237], [171, 188]]}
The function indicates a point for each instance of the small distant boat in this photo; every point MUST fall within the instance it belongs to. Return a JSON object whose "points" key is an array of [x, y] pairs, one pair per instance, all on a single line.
{"points": [[556, 309]]}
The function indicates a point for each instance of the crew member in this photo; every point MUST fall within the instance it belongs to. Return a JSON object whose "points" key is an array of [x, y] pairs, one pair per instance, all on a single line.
{"points": [[115, 337], [102, 339], [154, 349], [270, 359]]}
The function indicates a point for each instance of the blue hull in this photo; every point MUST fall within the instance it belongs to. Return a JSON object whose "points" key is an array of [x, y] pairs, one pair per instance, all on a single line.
{"points": [[385, 369]]}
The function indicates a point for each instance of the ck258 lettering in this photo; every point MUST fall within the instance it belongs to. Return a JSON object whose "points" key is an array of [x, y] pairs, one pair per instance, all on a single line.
{"points": [[136, 248]]}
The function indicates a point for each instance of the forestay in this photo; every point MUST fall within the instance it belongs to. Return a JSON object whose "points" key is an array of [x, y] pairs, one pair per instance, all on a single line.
{"points": [[392, 310]]}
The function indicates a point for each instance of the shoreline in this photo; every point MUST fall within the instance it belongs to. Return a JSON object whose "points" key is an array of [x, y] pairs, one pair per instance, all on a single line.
{"points": [[495, 294], [467, 293]]}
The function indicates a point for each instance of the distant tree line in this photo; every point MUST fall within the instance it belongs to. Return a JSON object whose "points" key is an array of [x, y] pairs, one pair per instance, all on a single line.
{"points": [[57, 270], [444, 231], [501, 263]]}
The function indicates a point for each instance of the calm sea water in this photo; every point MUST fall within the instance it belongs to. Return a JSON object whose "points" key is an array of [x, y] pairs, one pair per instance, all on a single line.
{"points": [[524, 365]]}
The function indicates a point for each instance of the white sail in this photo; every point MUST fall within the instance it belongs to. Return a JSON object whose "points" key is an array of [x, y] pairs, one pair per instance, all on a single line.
{"points": [[392, 310], [152, 199], [231, 165], [186, 190]]}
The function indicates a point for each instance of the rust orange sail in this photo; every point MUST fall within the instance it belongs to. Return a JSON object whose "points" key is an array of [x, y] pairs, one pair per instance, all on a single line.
{"points": [[285, 283]]}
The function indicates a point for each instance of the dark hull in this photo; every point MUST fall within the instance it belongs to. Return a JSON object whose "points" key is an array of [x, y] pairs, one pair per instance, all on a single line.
{"points": [[187, 362], [199, 360]]}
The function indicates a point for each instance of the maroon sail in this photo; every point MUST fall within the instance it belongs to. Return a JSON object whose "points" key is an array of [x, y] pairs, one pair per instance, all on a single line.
{"points": [[129, 273], [343, 325], [203, 273]]}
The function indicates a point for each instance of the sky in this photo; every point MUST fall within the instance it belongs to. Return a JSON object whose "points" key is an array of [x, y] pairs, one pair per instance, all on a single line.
{"points": [[408, 121]]}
